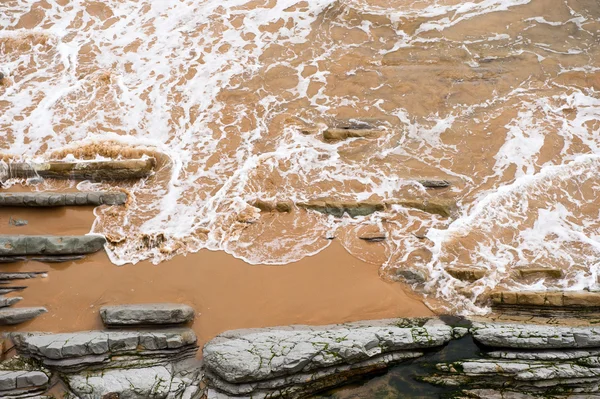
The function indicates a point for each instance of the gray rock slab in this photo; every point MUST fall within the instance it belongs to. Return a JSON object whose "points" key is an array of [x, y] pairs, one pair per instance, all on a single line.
{"points": [[259, 354], [531, 336], [12, 259], [146, 314], [9, 301], [70, 352], [20, 245], [57, 259], [44, 199], [10, 316]]}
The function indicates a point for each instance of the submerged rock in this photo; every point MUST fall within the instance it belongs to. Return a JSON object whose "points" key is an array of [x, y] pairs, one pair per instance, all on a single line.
{"points": [[10, 316], [295, 361], [61, 199], [339, 208], [84, 170], [146, 314], [50, 245], [575, 300]]}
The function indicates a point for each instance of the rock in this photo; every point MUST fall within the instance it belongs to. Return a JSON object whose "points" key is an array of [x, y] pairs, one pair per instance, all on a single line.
{"points": [[339, 208], [84, 170], [432, 183], [146, 314], [539, 272], [10, 316], [528, 336], [20, 379], [299, 360], [279, 206], [137, 383], [19, 275], [445, 207], [13, 288], [73, 352], [61, 199], [466, 273], [9, 301], [179, 380], [556, 299], [335, 134], [373, 236], [17, 222], [50, 245]]}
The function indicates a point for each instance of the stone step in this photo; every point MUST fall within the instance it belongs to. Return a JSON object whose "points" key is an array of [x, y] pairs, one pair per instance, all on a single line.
{"points": [[146, 314], [62, 199], [19, 245], [80, 170], [553, 299], [11, 316]]}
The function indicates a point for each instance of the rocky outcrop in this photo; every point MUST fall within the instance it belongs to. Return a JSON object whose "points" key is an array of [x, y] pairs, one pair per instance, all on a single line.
{"points": [[339, 208], [295, 361], [169, 381], [574, 300], [146, 314], [50, 245], [21, 379], [466, 273], [81, 170], [72, 352], [61, 199], [445, 207], [10, 316], [532, 359]]}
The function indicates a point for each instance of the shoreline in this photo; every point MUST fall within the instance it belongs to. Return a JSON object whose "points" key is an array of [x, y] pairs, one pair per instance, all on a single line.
{"points": [[328, 288]]}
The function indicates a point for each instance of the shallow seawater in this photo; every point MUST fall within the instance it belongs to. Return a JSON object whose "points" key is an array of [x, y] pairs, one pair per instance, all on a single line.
{"points": [[401, 381], [500, 97]]}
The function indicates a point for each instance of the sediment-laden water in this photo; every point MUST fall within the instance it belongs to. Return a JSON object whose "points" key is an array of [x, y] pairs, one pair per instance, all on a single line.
{"points": [[500, 97]]}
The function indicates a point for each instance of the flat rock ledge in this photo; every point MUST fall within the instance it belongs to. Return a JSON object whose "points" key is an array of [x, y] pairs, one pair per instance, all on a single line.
{"points": [[527, 361], [12, 316], [146, 314], [295, 361], [62, 199], [21, 379], [50, 245], [118, 364]]}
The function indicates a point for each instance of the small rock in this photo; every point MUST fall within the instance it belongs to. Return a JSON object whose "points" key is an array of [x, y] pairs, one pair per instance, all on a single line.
{"points": [[9, 301], [375, 236], [17, 222], [146, 314], [10, 316]]}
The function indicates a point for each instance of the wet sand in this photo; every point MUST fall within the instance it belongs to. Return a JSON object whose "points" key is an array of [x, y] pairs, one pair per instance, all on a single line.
{"points": [[227, 293]]}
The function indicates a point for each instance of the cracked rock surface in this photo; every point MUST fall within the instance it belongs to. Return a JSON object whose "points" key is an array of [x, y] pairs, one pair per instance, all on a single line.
{"points": [[146, 314], [72, 352], [62, 199], [50, 245], [293, 361]]}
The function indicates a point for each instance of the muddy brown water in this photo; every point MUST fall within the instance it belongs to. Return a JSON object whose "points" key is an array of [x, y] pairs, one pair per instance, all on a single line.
{"points": [[227, 293], [232, 97]]}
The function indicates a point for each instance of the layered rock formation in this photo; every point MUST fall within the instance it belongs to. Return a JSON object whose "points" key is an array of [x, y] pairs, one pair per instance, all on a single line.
{"points": [[62, 199], [527, 360], [146, 314], [295, 361], [50, 245]]}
